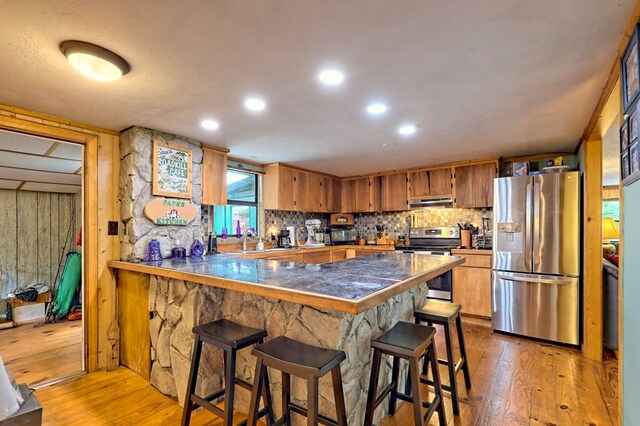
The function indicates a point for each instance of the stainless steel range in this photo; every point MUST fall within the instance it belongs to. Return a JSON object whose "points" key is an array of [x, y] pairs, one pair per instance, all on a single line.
{"points": [[437, 241]]}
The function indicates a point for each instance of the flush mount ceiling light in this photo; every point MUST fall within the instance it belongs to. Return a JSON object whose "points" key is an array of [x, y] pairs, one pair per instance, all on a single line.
{"points": [[210, 124], [255, 104], [377, 108], [407, 129], [331, 77], [94, 61]]}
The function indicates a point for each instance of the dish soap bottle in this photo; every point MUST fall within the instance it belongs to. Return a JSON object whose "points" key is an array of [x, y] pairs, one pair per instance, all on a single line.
{"points": [[260, 245], [238, 230]]}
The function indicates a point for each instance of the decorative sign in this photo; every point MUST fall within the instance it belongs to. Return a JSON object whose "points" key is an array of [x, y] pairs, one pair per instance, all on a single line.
{"points": [[164, 211], [171, 170]]}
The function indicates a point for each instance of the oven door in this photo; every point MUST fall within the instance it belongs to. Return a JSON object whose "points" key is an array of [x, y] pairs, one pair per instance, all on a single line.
{"points": [[440, 287]]}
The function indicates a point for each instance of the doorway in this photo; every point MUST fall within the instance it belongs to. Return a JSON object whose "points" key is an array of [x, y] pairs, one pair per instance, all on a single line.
{"points": [[41, 288]]}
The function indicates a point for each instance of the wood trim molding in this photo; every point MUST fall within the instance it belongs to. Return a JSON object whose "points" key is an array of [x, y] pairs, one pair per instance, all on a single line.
{"points": [[614, 75], [32, 114], [592, 251]]}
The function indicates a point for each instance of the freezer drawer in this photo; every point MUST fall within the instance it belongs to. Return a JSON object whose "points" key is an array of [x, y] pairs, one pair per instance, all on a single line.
{"points": [[541, 306]]}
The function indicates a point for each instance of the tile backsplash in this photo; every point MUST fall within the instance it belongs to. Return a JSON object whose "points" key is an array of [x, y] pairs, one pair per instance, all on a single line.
{"points": [[275, 220], [398, 223]]}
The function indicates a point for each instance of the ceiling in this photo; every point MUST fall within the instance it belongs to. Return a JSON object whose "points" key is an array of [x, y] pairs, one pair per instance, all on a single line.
{"points": [[31, 163], [479, 79]]}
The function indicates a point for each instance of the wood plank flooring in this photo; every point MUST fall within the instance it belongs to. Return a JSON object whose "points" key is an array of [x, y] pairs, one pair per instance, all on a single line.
{"points": [[36, 355], [514, 382]]}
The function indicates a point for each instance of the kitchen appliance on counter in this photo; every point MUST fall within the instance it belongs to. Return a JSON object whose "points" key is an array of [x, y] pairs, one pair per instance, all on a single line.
{"points": [[342, 229], [536, 256], [315, 234], [284, 239], [435, 241]]}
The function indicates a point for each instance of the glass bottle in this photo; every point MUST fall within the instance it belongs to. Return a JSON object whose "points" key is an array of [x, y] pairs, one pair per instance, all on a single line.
{"points": [[197, 248]]}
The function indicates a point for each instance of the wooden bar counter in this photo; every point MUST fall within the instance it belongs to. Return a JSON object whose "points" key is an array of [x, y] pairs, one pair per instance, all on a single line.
{"points": [[341, 304]]}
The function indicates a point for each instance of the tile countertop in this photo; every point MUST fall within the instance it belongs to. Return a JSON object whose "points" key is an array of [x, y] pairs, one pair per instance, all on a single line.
{"points": [[350, 286]]}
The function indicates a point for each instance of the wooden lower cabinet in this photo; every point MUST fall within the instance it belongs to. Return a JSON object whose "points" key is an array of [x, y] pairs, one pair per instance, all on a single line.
{"points": [[337, 255], [290, 258], [317, 257], [472, 286]]}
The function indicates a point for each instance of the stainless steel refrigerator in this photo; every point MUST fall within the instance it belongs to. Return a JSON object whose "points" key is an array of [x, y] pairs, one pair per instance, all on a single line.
{"points": [[536, 256]]}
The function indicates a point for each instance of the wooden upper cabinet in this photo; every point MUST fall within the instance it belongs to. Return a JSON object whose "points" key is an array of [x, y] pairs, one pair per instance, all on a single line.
{"points": [[278, 187], [367, 191], [348, 196], [440, 182], [214, 177], [288, 188], [336, 195], [428, 183], [394, 192], [474, 185], [419, 184]]}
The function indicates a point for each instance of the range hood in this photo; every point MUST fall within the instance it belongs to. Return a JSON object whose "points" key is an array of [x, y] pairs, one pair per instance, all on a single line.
{"points": [[430, 202]]}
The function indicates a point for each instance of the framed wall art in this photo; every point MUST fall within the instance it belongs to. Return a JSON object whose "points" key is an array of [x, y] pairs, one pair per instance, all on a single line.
{"points": [[630, 72], [633, 127], [624, 167], [171, 170], [634, 158], [624, 136]]}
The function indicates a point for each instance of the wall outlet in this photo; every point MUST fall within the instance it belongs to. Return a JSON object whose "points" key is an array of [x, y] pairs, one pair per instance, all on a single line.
{"points": [[112, 228]]}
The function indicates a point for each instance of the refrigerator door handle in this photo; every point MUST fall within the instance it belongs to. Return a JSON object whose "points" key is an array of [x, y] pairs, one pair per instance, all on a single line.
{"points": [[533, 279], [528, 226]]}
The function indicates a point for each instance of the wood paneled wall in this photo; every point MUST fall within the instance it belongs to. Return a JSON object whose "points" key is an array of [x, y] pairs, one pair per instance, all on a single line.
{"points": [[39, 228]]}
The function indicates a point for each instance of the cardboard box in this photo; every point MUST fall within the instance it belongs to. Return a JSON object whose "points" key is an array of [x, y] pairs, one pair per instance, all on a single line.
{"points": [[27, 313]]}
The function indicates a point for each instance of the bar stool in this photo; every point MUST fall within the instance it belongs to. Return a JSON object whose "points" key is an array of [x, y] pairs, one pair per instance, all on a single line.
{"points": [[230, 337], [405, 341], [445, 314], [305, 361]]}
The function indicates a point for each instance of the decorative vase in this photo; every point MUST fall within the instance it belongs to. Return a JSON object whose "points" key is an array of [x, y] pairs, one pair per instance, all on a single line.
{"points": [[465, 237]]}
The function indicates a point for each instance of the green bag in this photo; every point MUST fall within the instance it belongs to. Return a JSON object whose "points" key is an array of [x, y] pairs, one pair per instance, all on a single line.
{"points": [[69, 282]]}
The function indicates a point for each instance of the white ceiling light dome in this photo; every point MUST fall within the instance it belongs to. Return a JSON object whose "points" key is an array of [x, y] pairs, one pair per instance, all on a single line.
{"points": [[331, 76], [210, 124], [407, 129], [94, 61], [255, 104], [377, 108]]}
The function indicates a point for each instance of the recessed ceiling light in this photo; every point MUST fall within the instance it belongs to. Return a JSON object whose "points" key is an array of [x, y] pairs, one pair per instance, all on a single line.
{"points": [[255, 104], [377, 108], [407, 129], [210, 124], [94, 61], [331, 77]]}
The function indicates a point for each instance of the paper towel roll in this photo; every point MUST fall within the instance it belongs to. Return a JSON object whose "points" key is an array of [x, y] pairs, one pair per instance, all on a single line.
{"points": [[10, 398]]}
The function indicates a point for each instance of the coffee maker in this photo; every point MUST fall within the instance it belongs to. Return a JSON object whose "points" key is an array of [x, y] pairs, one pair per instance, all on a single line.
{"points": [[284, 239]]}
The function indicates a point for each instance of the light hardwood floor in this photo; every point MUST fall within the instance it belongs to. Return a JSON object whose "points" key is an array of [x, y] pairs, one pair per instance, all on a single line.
{"points": [[36, 355], [515, 381]]}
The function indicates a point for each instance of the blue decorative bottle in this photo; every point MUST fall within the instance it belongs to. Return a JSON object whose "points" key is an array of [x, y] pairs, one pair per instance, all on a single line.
{"points": [[197, 248]]}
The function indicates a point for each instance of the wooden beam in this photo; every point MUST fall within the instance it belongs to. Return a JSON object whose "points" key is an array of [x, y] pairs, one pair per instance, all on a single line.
{"points": [[51, 149], [592, 251]]}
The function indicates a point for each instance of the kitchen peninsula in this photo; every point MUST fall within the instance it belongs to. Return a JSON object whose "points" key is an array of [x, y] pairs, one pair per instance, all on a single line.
{"points": [[341, 304]]}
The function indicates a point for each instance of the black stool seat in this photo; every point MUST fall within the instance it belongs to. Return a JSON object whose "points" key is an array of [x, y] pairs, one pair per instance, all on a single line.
{"points": [[405, 338], [435, 310], [410, 342], [308, 362], [445, 314], [228, 334], [230, 337]]}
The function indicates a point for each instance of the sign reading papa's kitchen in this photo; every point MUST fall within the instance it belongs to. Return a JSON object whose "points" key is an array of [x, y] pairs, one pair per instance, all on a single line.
{"points": [[171, 170], [164, 211]]}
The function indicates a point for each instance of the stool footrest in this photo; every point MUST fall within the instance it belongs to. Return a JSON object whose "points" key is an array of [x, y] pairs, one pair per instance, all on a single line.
{"points": [[303, 411], [383, 395], [208, 405]]}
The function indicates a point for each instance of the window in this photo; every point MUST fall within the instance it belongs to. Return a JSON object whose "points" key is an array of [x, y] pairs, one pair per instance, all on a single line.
{"points": [[611, 208], [242, 203]]}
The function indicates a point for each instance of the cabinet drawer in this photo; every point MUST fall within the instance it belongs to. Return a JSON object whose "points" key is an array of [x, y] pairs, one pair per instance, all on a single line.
{"points": [[477, 261], [317, 257]]}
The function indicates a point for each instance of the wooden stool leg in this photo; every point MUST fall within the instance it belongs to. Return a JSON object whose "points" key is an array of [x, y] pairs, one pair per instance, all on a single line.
{"points": [[193, 379], [338, 392], [266, 396], [254, 405], [373, 387], [414, 372], [394, 391], [435, 372], [312, 401], [286, 397], [229, 387], [451, 366], [463, 353]]}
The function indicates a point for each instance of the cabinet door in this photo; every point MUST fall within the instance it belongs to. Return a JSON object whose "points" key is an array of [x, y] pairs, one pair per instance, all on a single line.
{"points": [[472, 290], [394, 192], [337, 255], [286, 188], [464, 187], [326, 194], [289, 258], [336, 196], [214, 177], [483, 176], [418, 184], [301, 198], [315, 193], [440, 182], [363, 195], [317, 257], [348, 198]]}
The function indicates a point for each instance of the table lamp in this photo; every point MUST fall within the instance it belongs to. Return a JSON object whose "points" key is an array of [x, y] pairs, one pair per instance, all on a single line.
{"points": [[610, 231]]}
